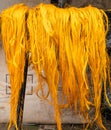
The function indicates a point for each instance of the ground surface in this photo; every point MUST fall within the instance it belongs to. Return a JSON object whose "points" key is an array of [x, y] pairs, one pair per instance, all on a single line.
{"points": [[64, 127], [45, 127]]}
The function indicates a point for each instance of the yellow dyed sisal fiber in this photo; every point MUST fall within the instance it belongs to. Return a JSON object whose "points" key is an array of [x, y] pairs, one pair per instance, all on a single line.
{"points": [[67, 45], [14, 37]]}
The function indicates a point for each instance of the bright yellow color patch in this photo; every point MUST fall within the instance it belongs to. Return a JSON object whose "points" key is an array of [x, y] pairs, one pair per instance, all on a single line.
{"points": [[14, 39], [67, 45]]}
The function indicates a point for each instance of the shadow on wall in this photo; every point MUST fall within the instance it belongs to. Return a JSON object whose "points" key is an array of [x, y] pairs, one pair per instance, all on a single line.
{"points": [[103, 4]]}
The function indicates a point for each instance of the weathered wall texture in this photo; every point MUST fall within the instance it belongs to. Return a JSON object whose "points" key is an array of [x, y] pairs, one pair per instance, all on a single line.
{"points": [[35, 109]]}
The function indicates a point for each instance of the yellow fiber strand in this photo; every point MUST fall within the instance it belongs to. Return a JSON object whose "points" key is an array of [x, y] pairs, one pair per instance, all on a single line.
{"points": [[44, 56], [65, 44], [14, 39]]}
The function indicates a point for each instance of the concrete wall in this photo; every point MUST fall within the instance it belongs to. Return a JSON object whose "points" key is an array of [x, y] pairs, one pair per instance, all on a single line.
{"points": [[6, 3], [35, 109]]}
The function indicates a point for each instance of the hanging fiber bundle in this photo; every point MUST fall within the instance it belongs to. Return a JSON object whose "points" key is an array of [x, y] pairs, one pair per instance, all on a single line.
{"points": [[44, 53], [67, 45], [14, 37], [70, 45]]}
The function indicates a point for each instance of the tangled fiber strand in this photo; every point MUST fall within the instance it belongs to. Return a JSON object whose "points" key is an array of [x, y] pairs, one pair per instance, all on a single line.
{"points": [[43, 51], [14, 37], [65, 43]]}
